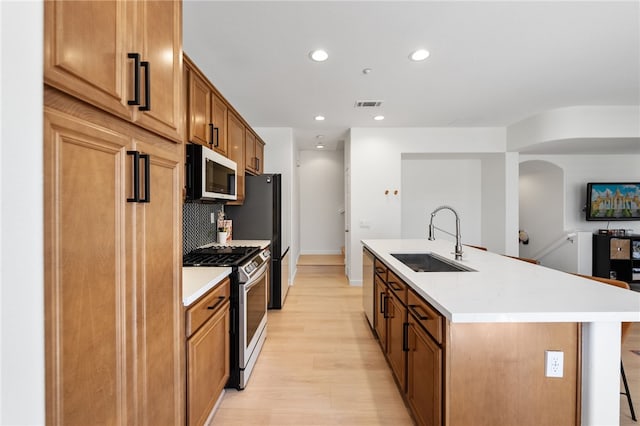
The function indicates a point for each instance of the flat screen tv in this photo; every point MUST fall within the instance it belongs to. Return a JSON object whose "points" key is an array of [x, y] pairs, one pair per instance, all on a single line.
{"points": [[613, 201]]}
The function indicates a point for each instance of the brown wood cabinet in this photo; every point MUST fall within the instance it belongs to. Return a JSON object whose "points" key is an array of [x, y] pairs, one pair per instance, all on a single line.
{"points": [[396, 338], [122, 57], [235, 140], [114, 318], [380, 311], [473, 373], [208, 349], [254, 153], [424, 391], [206, 112]]}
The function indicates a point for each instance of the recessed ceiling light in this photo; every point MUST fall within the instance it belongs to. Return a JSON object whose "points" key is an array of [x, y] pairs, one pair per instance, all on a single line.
{"points": [[378, 117], [319, 55], [419, 55], [320, 146], [319, 117], [366, 71]]}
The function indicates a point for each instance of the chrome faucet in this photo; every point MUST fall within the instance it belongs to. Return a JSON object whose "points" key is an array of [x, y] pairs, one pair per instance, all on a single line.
{"points": [[458, 249]]}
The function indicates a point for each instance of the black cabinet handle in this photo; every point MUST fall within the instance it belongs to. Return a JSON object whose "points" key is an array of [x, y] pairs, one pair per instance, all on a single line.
{"points": [[147, 177], [382, 303], [147, 87], [257, 163], [395, 286], [215, 305], [136, 79], [414, 311], [213, 133], [216, 132], [405, 337], [386, 306], [136, 177]]}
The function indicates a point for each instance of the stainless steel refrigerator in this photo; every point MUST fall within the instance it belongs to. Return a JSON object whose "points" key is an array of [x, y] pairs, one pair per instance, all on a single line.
{"points": [[260, 218]]}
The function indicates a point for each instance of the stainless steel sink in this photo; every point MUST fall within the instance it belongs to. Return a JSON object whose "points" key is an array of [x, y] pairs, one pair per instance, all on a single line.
{"points": [[429, 262]]}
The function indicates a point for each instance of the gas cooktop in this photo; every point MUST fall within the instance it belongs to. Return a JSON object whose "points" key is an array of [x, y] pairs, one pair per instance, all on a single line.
{"points": [[219, 256]]}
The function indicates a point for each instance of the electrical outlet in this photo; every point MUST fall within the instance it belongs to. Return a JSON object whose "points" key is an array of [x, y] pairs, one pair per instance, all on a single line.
{"points": [[213, 218], [554, 363]]}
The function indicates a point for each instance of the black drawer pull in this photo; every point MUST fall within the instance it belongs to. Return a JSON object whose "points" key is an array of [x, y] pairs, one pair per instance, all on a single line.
{"points": [[215, 305], [395, 286], [414, 311]]}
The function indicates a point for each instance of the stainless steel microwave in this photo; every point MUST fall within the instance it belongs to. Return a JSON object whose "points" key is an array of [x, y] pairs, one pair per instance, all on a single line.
{"points": [[209, 175]]}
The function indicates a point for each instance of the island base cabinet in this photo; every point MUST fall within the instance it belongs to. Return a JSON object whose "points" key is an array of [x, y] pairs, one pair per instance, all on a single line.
{"points": [[424, 378], [496, 375]]}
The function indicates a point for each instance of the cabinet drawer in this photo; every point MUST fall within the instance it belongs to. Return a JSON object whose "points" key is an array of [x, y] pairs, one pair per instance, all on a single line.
{"points": [[425, 315], [397, 286], [208, 305], [381, 269], [620, 249]]}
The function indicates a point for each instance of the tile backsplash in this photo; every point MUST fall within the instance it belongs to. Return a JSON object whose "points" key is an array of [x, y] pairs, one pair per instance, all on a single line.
{"points": [[197, 229]]}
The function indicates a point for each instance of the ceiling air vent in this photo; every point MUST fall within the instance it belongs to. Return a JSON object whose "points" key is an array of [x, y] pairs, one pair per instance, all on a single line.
{"points": [[367, 104]]}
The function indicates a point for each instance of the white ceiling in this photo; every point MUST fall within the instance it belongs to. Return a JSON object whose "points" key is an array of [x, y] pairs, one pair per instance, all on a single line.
{"points": [[491, 63]]}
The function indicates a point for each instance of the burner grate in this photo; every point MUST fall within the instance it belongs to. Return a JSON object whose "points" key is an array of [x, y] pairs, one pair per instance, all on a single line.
{"points": [[219, 256]]}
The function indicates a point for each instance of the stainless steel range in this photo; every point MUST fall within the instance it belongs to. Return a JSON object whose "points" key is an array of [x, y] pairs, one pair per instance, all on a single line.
{"points": [[249, 292]]}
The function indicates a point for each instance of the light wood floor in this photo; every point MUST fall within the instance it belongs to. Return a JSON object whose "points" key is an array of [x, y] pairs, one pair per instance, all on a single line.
{"points": [[321, 366], [320, 259]]}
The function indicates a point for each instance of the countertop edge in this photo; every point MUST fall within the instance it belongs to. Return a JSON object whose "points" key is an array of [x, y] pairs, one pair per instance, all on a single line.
{"points": [[530, 314], [199, 280]]}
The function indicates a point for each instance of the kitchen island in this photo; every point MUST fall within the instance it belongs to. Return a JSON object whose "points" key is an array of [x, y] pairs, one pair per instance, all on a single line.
{"points": [[501, 292]]}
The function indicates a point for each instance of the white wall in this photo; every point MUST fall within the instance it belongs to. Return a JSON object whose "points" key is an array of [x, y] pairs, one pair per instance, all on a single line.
{"points": [[581, 169], [542, 197], [429, 181], [21, 219], [575, 124], [280, 157], [376, 166], [321, 202]]}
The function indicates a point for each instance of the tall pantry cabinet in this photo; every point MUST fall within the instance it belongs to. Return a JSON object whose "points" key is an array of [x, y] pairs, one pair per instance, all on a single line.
{"points": [[114, 331]]}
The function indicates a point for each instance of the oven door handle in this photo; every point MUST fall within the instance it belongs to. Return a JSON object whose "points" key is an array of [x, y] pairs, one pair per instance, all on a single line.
{"points": [[256, 278]]}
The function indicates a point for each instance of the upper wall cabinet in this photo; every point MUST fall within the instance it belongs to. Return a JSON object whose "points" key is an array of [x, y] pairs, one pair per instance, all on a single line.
{"points": [[254, 153], [124, 57], [206, 112]]}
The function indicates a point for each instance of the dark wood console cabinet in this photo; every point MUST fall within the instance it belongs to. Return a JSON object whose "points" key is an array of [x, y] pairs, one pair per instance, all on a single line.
{"points": [[617, 257]]}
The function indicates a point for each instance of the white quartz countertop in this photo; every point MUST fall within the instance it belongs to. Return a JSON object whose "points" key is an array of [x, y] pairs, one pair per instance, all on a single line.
{"points": [[506, 290], [198, 280]]}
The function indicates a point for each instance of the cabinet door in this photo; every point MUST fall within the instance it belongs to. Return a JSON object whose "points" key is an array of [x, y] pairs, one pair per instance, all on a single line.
{"points": [[396, 319], [208, 366], [424, 376], [220, 122], [380, 317], [199, 112], [86, 47], [235, 140], [159, 41], [259, 156], [158, 297], [88, 304], [250, 151]]}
